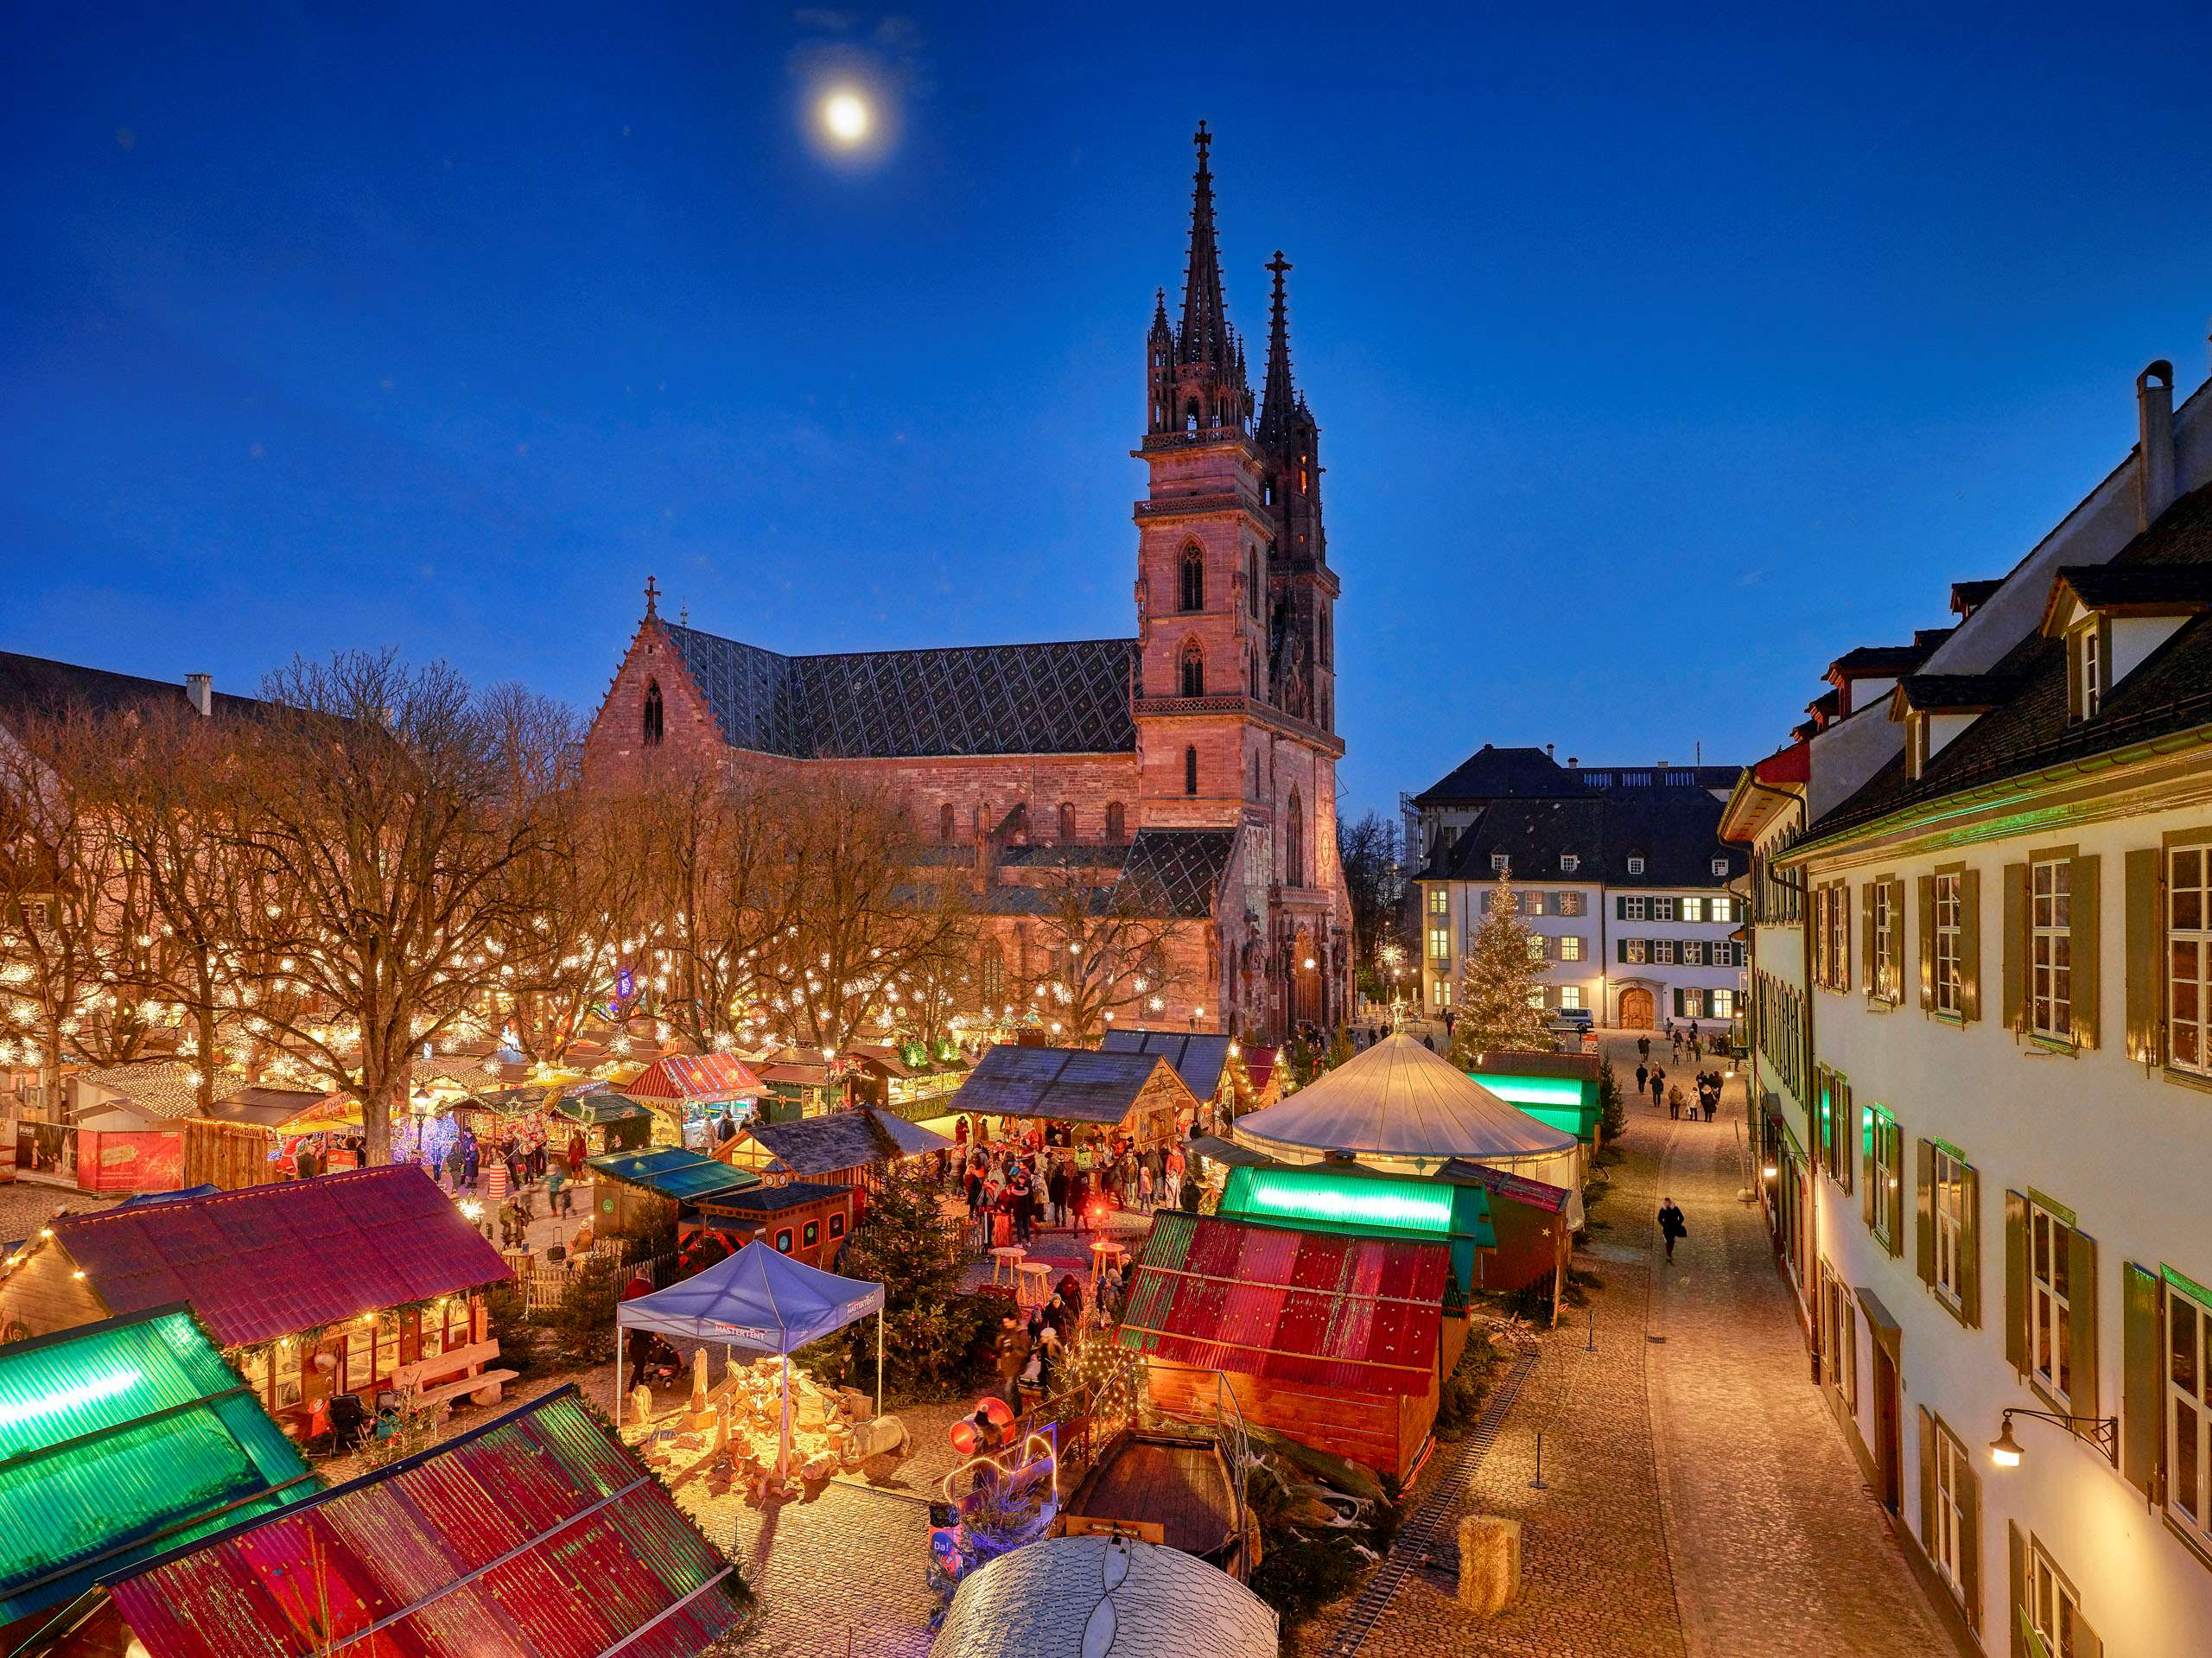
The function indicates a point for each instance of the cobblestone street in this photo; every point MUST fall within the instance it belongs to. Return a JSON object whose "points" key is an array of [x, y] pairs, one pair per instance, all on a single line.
{"points": [[1697, 1499]]}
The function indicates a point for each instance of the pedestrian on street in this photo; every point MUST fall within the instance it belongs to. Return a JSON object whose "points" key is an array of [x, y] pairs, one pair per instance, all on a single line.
{"points": [[1643, 1078], [1643, 1047], [579, 1149], [470, 1156], [1672, 1226], [1658, 1087]]}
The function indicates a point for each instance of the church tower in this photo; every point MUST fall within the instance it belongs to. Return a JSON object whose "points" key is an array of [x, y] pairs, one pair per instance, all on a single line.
{"points": [[1235, 699]]}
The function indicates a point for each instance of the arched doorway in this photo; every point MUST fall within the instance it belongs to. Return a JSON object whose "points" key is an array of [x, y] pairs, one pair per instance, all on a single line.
{"points": [[1637, 1010]]}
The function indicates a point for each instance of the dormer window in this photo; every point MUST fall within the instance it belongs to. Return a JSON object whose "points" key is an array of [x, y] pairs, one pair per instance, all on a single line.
{"points": [[1568, 863], [1497, 863], [1635, 865], [1720, 866], [2087, 661]]}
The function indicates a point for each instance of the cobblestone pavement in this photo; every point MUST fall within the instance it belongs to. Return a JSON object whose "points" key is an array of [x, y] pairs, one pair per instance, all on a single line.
{"points": [[1698, 1499]]}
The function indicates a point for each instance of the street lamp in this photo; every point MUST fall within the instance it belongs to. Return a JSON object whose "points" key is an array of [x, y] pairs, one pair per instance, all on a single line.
{"points": [[2005, 1450]]}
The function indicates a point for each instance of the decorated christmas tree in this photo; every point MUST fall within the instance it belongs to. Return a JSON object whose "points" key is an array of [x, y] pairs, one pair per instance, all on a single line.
{"points": [[1501, 984]]}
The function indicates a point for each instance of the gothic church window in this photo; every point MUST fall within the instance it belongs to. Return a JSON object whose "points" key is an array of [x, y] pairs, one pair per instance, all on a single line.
{"points": [[1194, 669], [1294, 844], [1252, 580], [1190, 770], [944, 823], [1194, 579], [653, 716]]}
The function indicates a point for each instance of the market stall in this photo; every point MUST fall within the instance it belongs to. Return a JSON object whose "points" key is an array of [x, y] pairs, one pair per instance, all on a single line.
{"points": [[1210, 1066], [761, 1302], [1136, 1096], [846, 1148], [643, 1192], [804, 1219], [689, 1090]]}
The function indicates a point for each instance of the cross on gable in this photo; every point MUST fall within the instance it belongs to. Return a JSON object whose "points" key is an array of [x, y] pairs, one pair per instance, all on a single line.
{"points": [[652, 597]]}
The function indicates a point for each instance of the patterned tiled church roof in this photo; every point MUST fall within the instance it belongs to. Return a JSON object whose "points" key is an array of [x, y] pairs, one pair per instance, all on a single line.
{"points": [[1065, 697], [1172, 872]]}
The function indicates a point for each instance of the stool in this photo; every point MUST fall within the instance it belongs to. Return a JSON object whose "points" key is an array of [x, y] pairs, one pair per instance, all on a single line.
{"points": [[1033, 1283], [1010, 1257], [1103, 1251]]}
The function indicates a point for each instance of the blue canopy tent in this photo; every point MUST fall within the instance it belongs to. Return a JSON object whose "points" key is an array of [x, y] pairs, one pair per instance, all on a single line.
{"points": [[762, 1300]]}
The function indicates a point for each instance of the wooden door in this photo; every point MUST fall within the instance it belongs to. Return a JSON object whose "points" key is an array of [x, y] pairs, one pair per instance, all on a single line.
{"points": [[1888, 1457], [1636, 1010]]}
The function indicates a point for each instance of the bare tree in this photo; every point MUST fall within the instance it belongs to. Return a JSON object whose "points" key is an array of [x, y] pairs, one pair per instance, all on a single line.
{"points": [[1097, 962], [383, 813]]}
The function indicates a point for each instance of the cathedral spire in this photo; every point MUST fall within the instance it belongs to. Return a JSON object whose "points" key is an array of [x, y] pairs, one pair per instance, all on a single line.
{"points": [[1206, 318], [1279, 400]]}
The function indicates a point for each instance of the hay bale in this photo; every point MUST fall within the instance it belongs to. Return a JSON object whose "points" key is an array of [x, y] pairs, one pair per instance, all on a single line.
{"points": [[1489, 1564]]}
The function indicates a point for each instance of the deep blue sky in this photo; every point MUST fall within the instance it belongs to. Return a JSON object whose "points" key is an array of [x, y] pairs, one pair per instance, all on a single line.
{"points": [[1656, 365]]}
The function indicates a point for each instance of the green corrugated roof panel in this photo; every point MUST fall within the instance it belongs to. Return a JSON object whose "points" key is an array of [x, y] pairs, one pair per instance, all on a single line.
{"points": [[120, 1439]]}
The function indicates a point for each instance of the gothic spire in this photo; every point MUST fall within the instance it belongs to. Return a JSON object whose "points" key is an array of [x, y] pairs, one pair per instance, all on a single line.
{"points": [[1206, 319], [1277, 400]]}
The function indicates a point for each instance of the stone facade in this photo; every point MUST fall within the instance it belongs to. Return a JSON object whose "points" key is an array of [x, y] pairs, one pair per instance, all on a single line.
{"points": [[1190, 771]]}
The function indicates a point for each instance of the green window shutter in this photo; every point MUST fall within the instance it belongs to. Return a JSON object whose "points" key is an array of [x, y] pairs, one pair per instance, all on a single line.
{"points": [[1866, 936], [1923, 1212], [1970, 944], [1620, 913], [2081, 1323], [2016, 1599], [2081, 947], [1924, 912], [2016, 1282], [1927, 1482], [2143, 1369], [2142, 961], [1970, 1547], [1845, 1165], [2015, 947], [1970, 1248]]}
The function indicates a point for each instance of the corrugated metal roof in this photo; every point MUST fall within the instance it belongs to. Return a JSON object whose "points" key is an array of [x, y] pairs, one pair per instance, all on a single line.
{"points": [[1360, 1313], [538, 1535], [119, 1440], [1063, 1084], [700, 1079], [1199, 1058], [842, 1139], [674, 1172], [272, 1259]]}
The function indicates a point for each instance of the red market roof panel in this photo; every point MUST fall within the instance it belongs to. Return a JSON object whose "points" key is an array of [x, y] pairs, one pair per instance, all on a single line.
{"points": [[273, 1260], [695, 1079], [538, 1535], [1362, 1314]]}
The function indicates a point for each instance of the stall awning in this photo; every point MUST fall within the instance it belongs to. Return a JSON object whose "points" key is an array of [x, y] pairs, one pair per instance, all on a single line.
{"points": [[599, 1107], [759, 1299], [694, 1079], [673, 1172]]}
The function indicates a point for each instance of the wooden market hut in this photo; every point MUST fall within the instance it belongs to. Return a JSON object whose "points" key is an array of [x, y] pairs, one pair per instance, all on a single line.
{"points": [[155, 1444], [688, 1088], [807, 1220], [1559, 1088], [240, 1141], [645, 1192], [130, 1124], [844, 1148], [612, 1121], [348, 1283], [1139, 1095], [1333, 1339], [1210, 1066], [538, 1531]]}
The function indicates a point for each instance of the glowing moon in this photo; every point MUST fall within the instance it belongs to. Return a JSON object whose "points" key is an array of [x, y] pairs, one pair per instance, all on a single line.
{"points": [[845, 116]]}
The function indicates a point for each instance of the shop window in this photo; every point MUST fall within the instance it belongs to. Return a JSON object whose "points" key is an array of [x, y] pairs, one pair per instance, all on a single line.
{"points": [[813, 1234], [837, 1226], [784, 1240]]}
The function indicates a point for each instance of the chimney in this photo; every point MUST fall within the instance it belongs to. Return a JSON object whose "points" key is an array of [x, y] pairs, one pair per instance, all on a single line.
{"points": [[200, 691], [2154, 444], [1572, 762], [1547, 751]]}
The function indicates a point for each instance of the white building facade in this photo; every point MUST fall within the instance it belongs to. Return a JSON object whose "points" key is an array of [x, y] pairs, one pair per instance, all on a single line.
{"points": [[2003, 968]]}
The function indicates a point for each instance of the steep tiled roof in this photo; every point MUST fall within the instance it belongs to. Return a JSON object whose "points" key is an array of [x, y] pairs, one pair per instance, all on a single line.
{"points": [[1172, 874], [2104, 586], [1495, 773], [1198, 1056], [1533, 835], [121, 1438], [537, 1534], [1063, 697], [1878, 659], [36, 686], [1059, 1084], [1967, 597], [1675, 832], [274, 1260], [1956, 691], [2030, 730], [842, 1139]]}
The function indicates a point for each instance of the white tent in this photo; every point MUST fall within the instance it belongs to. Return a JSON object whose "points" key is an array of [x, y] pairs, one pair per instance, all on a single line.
{"points": [[1104, 1598], [759, 1300], [1404, 1109]]}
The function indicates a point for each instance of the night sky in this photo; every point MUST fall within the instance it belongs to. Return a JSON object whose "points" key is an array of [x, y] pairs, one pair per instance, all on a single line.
{"points": [[1656, 365]]}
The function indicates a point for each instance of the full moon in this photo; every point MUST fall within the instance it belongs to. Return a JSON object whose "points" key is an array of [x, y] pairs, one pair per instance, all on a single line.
{"points": [[845, 114]]}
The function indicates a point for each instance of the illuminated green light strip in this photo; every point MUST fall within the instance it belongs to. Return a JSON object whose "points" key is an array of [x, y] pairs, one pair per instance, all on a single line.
{"points": [[1378, 1204], [1532, 1091]]}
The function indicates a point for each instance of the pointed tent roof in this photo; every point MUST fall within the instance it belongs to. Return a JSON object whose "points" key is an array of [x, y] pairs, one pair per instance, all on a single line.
{"points": [[759, 1299], [1204, 338], [1399, 1101]]}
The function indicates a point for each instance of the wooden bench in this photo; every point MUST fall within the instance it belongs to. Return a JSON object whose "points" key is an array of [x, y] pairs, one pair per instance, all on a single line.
{"points": [[412, 1383]]}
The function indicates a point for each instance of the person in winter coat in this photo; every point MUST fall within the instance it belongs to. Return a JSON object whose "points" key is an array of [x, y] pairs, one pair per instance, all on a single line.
{"points": [[579, 1149], [1013, 1355], [1055, 1187], [1672, 1226], [471, 1157], [1643, 1078], [1658, 1088]]}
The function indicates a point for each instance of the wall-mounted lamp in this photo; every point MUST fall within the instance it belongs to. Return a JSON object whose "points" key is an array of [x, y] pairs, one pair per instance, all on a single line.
{"points": [[2103, 1431]]}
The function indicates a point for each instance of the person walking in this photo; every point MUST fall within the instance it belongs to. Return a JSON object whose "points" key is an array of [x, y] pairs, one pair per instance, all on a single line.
{"points": [[470, 1162], [1643, 1047], [1672, 1226], [1056, 1188], [579, 1149], [1643, 1078], [1658, 1088]]}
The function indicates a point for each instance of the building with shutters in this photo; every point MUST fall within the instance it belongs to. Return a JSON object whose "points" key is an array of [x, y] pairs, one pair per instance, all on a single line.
{"points": [[1982, 1052], [1186, 774], [1626, 887]]}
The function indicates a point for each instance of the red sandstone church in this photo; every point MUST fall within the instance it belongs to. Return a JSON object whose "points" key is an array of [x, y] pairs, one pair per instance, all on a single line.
{"points": [[1191, 770]]}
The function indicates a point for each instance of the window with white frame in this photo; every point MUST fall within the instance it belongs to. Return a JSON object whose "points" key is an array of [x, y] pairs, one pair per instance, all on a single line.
{"points": [[1693, 952], [1635, 909], [2088, 661], [1720, 866], [2050, 1335], [1635, 866], [1887, 952], [1953, 1479], [1535, 996], [1692, 909], [1440, 944], [1663, 908], [1946, 952], [1498, 861], [1723, 1003], [1532, 903], [2189, 1412], [2050, 996], [1638, 949], [1537, 947], [2054, 1610], [1440, 900], [1443, 993], [1948, 1203], [1663, 951], [1880, 1153], [1570, 904], [1568, 863], [1570, 995], [2188, 957], [1570, 949]]}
